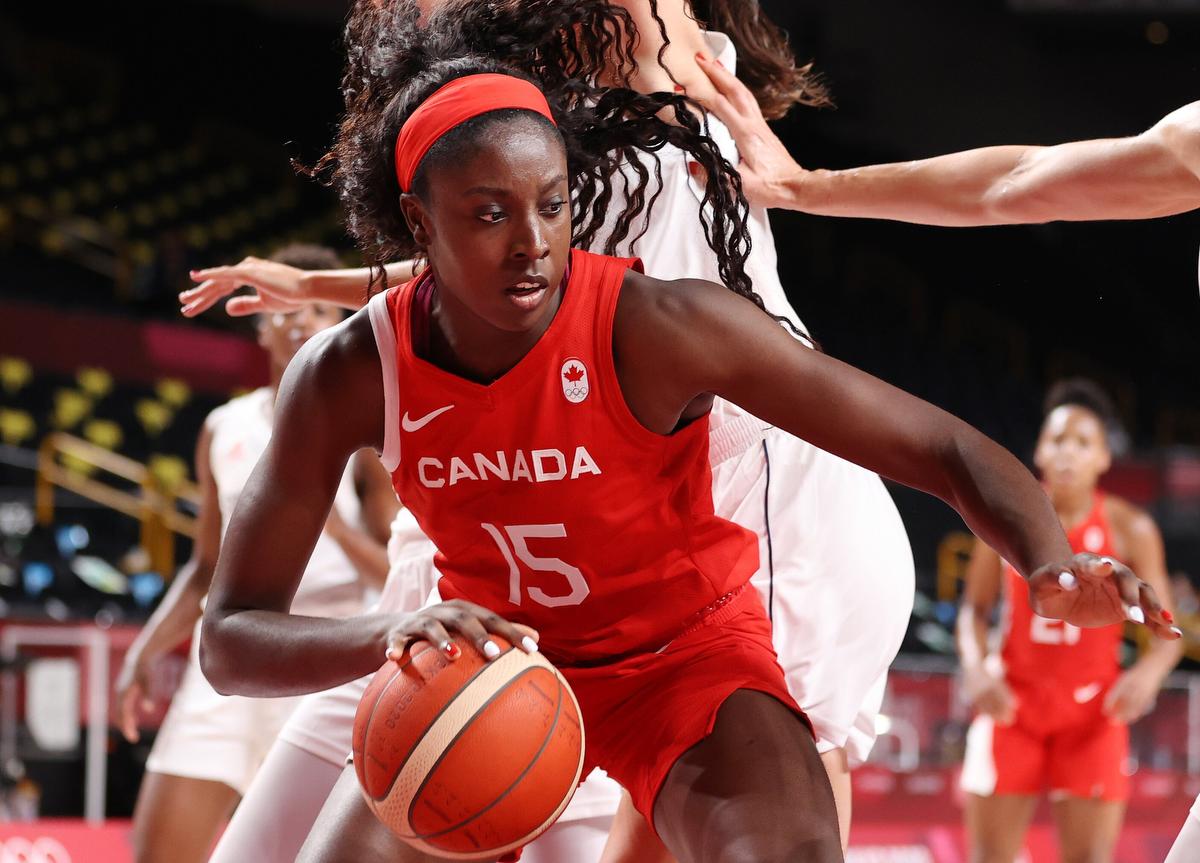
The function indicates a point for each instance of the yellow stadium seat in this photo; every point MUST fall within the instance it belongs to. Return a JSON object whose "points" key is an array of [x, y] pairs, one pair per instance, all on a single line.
{"points": [[15, 373], [153, 415], [97, 383], [70, 407], [16, 427], [174, 392], [103, 433], [169, 470]]}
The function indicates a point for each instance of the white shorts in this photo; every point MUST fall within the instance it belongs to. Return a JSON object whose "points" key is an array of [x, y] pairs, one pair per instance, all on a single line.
{"points": [[222, 738], [836, 576]]}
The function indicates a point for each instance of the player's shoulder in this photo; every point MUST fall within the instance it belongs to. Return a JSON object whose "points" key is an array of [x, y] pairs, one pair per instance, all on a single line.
{"points": [[346, 349], [1128, 519], [676, 299]]}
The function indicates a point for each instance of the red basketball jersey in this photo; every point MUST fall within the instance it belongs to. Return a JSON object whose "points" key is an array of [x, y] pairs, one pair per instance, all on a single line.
{"points": [[548, 501], [1036, 648]]}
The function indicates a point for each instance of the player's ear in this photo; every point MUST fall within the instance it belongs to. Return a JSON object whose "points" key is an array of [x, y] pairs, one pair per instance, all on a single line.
{"points": [[416, 216]]}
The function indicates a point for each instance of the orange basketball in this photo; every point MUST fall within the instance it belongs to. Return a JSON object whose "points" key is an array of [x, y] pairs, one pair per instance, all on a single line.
{"points": [[468, 759]]}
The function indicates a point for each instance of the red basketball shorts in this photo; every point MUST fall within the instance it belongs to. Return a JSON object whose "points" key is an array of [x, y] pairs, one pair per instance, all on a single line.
{"points": [[1061, 742], [642, 713]]}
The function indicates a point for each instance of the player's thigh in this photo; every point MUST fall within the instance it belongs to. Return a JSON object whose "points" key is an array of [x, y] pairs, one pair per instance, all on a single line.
{"points": [[996, 825], [279, 808], [580, 840], [177, 818], [630, 839], [754, 790], [1088, 829], [347, 831]]}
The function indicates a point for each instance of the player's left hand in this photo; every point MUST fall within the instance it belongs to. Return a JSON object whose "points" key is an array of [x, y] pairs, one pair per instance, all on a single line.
{"points": [[1089, 590], [766, 166], [1132, 696]]}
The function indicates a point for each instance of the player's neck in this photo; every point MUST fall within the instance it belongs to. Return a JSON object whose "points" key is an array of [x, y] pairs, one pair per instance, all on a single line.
{"points": [[1072, 504]]}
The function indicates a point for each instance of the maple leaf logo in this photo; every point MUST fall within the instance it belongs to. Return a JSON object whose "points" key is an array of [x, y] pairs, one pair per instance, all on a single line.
{"points": [[573, 374]]}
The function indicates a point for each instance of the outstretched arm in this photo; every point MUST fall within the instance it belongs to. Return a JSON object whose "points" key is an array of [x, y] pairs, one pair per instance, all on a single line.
{"points": [[1156, 173], [713, 341], [281, 288]]}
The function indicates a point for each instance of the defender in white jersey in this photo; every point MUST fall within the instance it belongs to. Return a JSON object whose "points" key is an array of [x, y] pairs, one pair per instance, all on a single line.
{"points": [[210, 745], [821, 582]]}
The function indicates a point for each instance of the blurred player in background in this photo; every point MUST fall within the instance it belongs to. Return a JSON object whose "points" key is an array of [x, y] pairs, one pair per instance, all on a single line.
{"points": [[1054, 707], [210, 745]]}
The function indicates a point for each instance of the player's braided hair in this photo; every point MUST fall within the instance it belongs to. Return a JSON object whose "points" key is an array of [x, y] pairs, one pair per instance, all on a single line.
{"points": [[561, 45]]}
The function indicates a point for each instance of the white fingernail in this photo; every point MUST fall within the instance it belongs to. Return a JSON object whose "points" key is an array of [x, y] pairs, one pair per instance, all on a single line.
{"points": [[1135, 614], [529, 644], [1177, 631], [1066, 581], [490, 650], [1109, 561]]}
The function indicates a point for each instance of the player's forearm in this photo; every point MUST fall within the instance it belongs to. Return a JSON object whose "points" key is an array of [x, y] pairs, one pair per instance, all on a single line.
{"points": [[1120, 178], [1001, 502], [366, 555], [270, 653], [970, 636], [956, 190], [1160, 658], [348, 288], [177, 612]]}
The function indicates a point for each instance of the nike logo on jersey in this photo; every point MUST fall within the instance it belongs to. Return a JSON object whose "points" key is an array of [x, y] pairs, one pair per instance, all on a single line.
{"points": [[539, 465], [411, 425], [1084, 694]]}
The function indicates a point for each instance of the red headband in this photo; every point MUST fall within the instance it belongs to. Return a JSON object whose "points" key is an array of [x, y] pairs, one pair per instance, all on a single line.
{"points": [[454, 104]]}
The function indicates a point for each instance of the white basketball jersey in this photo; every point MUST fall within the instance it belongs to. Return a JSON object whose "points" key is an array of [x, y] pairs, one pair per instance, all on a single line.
{"points": [[240, 432], [671, 243]]}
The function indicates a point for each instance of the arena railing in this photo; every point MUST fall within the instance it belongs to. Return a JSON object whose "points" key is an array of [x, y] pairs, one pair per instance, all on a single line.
{"points": [[155, 507]]}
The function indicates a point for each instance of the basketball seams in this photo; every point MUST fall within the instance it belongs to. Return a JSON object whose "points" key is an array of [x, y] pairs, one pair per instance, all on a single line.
{"points": [[467, 727], [434, 719], [491, 675]]}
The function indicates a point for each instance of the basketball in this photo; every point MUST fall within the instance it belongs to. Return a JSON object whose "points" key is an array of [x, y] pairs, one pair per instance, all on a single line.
{"points": [[468, 759]]}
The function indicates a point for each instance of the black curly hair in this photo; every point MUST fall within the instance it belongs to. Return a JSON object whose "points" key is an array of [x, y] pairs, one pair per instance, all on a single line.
{"points": [[395, 62]]}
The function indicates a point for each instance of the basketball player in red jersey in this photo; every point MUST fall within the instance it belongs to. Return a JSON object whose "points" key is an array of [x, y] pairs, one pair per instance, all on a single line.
{"points": [[1054, 706], [637, 590]]}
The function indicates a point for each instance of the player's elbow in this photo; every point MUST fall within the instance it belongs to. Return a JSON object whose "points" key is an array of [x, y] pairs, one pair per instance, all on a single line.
{"points": [[216, 659], [1015, 199]]}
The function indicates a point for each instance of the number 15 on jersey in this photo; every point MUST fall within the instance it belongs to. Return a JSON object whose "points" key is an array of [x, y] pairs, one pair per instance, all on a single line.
{"points": [[512, 541]]}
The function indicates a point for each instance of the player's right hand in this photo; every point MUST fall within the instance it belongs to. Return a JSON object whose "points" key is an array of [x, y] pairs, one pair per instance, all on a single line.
{"points": [[277, 288], [1089, 590], [473, 622], [990, 695], [132, 688]]}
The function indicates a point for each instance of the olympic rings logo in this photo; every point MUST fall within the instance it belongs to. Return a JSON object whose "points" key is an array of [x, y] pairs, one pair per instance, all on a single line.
{"points": [[18, 849]]}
